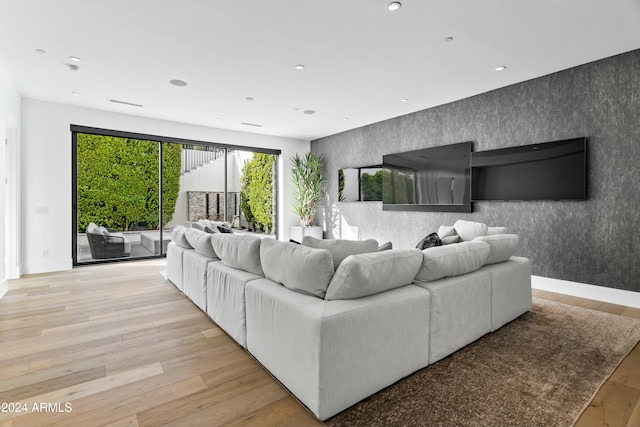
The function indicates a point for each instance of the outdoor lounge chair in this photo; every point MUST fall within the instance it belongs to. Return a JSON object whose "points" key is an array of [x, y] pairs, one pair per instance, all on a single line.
{"points": [[107, 244]]}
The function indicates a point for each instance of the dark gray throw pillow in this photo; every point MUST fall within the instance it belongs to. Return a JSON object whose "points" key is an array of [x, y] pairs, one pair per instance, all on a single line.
{"points": [[224, 228], [429, 241]]}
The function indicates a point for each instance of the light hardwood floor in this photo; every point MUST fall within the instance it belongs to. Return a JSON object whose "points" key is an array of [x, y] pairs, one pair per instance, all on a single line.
{"points": [[120, 347]]}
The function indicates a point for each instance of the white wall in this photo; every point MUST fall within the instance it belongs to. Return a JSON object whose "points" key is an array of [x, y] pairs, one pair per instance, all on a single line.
{"points": [[46, 172], [207, 178], [9, 125]]}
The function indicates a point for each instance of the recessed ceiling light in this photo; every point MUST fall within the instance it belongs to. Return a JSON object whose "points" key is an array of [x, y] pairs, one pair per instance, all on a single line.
{"points": [[177, 82], [218, 118], [345, 119], [41, 51], [309, 111], [404, 100], [74, 59], [448, 39], [393, 6], [299, 67], [75, 93], [501, 68], [248, 98]]}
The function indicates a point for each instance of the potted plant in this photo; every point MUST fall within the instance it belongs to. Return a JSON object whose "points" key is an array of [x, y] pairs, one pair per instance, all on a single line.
{"points": [[309, 184]]}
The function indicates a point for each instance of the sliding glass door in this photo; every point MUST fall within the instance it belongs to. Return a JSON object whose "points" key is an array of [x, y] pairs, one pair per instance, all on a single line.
{"points": [[130, 190], [117, 197]]}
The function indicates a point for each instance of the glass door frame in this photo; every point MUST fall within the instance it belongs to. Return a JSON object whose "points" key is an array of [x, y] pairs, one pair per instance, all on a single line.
{"points": [[78, 129]]}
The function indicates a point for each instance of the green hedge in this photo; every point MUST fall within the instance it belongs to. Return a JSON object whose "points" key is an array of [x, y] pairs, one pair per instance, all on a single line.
{"points": [[118, 182], [256, 190]]}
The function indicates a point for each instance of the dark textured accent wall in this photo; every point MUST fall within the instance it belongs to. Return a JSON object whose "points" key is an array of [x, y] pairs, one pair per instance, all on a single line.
{"points": [[595, 241]]}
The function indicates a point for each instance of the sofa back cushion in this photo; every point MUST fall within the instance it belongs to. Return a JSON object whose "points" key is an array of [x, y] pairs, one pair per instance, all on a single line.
{"points": [[299, 268], [340, 249], [452, 260], [200, 241], [496, 230], [469, 230], [238, 251], [178, 236], [501, 247], [371, 273]]}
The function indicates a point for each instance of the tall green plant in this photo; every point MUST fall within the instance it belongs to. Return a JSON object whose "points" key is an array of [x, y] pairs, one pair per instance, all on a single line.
{"points": [[256, 190], [309, 183]]}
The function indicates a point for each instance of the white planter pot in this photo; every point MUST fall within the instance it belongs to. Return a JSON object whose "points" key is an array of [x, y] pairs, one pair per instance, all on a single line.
{"points": [[298, 232]]}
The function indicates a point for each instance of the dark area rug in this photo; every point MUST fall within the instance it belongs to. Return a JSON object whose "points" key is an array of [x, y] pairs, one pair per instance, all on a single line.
{"points": [[542, 369]]}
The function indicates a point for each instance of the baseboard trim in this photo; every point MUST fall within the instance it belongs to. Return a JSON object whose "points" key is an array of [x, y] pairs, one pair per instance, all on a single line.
{"points": [[582, 290], [48, 267], [4, 287]]}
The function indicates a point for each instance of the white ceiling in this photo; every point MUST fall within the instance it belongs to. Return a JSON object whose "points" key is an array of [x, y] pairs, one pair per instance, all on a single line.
{"points": [[360, 59]]}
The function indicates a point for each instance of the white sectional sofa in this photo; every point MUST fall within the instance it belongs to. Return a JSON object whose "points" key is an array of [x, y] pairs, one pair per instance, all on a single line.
{"points": [[335, 333]]}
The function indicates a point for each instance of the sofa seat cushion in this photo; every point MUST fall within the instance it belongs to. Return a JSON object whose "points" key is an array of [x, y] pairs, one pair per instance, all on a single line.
{"points": [[299, 268], [238, 251], [469, 230], [510, 290], [501, 247], [368, 274], [340, 249], [194, 277], [452, 260], [460, 312], [201, 242], [174, 264], [225, 299]]}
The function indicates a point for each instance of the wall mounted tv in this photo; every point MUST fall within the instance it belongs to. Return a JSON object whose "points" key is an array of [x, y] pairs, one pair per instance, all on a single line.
{"points": [[436, 179], [549, 171]]}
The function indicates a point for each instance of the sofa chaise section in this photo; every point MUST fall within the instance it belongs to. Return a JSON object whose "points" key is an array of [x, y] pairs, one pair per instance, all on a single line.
{"points": [[325, 346], [332, 354]]}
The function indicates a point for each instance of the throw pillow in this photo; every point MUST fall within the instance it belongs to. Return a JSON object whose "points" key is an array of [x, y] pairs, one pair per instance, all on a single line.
{"points": [[240, 251], [446, 231], [469, 230], [502, 247], [385, 247], [299, 268], [225, 228], [429, 241], [368, 274], [210, 230], [340, 249], [197, 226], [450, 239], [452, 260]]}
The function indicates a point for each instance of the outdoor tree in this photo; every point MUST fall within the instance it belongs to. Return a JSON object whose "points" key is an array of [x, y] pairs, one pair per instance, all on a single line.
{"points": [[371, 186], [118, 181], [256, 190]]}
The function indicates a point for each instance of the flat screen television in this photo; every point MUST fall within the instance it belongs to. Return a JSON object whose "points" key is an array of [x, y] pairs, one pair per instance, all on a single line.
{"points": [[549, 171], [436, 179]]}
